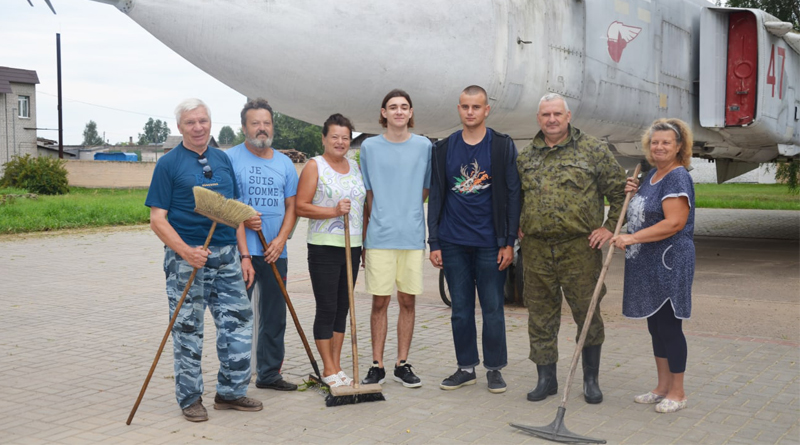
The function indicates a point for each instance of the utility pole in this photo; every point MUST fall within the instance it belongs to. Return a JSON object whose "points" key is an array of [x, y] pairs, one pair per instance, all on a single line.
{"points": [[60, 110]]}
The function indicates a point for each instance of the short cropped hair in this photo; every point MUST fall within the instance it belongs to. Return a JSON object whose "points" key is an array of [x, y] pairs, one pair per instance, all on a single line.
{"points": [[474, 90], [189, 105], [683, 137], [339, 120], [256, 104], [553, 96], [392, 94]]}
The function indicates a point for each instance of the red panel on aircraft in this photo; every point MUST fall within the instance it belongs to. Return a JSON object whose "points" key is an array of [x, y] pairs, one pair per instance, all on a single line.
{"points": [[740, 93]]}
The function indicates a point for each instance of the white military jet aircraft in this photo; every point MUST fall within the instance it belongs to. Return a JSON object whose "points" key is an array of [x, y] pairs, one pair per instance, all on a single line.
{"points": [[733, 74]]}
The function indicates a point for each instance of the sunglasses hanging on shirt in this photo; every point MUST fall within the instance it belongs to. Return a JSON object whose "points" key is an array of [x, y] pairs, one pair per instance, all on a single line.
{"points": [[206, 168]]}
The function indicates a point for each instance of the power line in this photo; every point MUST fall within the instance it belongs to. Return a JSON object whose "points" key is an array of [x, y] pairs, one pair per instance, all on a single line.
{"points": [[124, 111]]}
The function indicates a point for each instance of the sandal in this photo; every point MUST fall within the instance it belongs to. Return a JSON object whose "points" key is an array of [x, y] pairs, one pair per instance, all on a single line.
{"points": [[344, 378], [333, 381], [648, 398], [670, 406]]}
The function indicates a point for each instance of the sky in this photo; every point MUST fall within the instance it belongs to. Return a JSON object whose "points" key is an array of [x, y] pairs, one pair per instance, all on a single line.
{"points": [[113, 71]]}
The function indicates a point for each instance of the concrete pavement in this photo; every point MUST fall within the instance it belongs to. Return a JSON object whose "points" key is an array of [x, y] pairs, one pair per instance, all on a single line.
{"points": [[82, 315]]}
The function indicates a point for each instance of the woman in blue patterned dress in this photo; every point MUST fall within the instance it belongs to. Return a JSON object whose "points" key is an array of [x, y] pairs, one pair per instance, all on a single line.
{"points": [[659, 256]]}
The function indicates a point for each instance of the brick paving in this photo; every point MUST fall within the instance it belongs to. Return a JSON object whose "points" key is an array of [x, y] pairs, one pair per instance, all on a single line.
{"points": [[82, 315], [774, 224]]}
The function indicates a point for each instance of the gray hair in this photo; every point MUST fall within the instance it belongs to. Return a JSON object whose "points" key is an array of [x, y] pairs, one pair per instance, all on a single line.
{"points": [[189, 105], [665, 126], [553, 96]]}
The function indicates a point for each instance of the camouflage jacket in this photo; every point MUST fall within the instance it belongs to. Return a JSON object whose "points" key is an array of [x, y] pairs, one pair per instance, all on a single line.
{"points": [[563, 187]]}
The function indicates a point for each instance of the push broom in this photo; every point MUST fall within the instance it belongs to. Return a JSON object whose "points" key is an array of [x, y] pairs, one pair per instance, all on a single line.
{"points": [[556, 431], [218, 209], [358, 393]]}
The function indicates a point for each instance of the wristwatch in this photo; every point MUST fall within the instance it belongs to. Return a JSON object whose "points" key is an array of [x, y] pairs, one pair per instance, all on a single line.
{"points": [[249, 257]]}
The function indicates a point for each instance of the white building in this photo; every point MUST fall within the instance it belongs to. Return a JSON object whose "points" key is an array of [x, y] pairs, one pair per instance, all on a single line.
{"points": [[18, 113]]}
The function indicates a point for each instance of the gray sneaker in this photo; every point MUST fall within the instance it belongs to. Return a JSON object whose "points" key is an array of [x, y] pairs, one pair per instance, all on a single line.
{"points": [[196, 412], [459, 379], [240, 404], [496, 382]]}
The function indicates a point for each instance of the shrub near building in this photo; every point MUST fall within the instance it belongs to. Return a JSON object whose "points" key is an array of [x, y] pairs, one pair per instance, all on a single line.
{"points": [[42, 175]]}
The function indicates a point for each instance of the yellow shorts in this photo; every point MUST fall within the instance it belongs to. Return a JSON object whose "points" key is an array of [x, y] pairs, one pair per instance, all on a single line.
{"points": [[386, 267]]}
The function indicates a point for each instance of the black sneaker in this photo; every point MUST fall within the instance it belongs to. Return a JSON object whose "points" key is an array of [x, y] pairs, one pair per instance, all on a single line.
{"points": [[376, 374], [406, 376], [459, 379], [496, 382]]}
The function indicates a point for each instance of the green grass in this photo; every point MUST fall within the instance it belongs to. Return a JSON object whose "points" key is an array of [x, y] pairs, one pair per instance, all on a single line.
{"points": [[745, 196], [12, 191], [113, 207], [80, 208]]}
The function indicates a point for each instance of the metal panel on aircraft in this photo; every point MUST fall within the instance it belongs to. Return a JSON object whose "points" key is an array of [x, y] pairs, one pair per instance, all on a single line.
{"points": [[740, 95], [565, 75], [676, 51], [624, 105], [713, 67]]}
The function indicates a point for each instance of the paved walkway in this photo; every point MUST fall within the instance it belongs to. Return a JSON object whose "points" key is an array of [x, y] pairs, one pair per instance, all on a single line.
{"points": [[769, 224], [82, 315]]}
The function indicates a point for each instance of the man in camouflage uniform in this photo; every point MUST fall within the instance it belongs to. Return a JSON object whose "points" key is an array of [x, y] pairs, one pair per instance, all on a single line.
{"points": [[565, 174], [219, 284]]}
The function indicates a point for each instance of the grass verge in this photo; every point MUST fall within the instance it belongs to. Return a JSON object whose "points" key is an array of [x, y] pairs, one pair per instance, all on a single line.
{"points": [[80, 208], [745, 196], [114, 207]]}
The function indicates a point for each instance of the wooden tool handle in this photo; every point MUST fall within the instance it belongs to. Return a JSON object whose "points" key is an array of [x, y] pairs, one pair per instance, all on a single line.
{"points": [[289, 305], [353, 338], [598, 287], [169, 328]]}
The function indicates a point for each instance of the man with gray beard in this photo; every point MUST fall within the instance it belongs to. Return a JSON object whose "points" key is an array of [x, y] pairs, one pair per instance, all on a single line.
{"points": [[267, 181]]}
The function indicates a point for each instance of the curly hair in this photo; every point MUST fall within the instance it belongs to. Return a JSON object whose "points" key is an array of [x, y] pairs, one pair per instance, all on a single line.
{"points": [[256, 104], [683, 137]]}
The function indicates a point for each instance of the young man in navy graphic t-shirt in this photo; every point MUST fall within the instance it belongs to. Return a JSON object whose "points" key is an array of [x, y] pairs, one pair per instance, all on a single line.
{"points": [[473, 218]]}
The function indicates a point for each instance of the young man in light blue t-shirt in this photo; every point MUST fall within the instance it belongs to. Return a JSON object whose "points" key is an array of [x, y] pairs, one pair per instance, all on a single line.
{"points": [[397, 171], [267, 182]]}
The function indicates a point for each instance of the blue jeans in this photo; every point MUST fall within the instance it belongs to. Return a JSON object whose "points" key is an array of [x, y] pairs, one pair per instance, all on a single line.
{"points": [[271, 320], [465, 269]]}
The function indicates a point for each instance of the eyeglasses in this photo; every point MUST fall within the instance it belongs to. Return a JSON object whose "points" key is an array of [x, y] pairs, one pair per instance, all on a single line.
{"points": [[206, 168]]}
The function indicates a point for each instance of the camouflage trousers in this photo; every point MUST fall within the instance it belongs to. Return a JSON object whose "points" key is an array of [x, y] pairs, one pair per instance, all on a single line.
{"points": [[571, 266], [220, 287]]}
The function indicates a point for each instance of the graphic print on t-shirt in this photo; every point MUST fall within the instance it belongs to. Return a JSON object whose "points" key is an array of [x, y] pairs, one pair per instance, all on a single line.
{"points": [[471, 182], [262, 187]]}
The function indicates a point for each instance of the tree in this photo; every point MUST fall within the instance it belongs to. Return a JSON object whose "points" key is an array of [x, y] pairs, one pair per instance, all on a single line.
{"points": [[787, 11], [90, 136], [296, 134], [155, 132], [226, 135], [239, 137]]}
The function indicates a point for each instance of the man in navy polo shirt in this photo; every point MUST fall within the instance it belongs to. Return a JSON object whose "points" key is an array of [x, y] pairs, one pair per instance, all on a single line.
{"points": [[219, 283]]}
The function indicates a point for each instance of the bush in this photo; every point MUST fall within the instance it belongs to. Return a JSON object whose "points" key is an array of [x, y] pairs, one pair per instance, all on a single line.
{"points": [[789, 173], [42, 175]]}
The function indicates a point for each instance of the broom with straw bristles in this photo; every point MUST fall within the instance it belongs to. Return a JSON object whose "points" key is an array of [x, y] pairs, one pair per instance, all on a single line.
{"points": [[218, 209], [358, 393]]}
